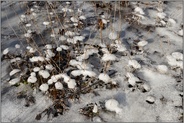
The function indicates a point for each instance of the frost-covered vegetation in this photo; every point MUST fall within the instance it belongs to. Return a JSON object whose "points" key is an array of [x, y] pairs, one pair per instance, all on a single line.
{"points": [[98, 61]]}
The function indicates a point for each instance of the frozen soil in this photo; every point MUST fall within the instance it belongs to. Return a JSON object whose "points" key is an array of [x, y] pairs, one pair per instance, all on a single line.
{"points": [[163, 40]]}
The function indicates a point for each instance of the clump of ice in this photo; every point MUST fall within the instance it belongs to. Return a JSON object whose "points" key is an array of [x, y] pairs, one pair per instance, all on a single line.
{"points": [[80, 65], [53, 35], [17, 46], [15, 59], [142, 43], [113, 105], [161, 15], [46, 23], [44, 73], [58, 85], [104, 77], [73, 19], [5, 51], [162, 68], [134, 64], [50, 81], [177, 55], [32, 79], [150, 99], [95, 109], [132, 79], [69, 33], [33, 74], [34, 14], [175, 59], [49, 67], [14, 81], [58, 49], [62, 38], [71, 84], [48, 46], [65, 47], [14, 71], [44, 87], [146, 87], [82, 17], [32, 50], [84, 73], [71, 40], [78, 38], [139, 10], [113, 35], [27, 35], [120, 47], [49, 53], [68, 3], [108, 57], [36, 59], [23, 18], [180, 32], [171, 22], [28, 25], [104, 21], [87, 53], [105, 50]]}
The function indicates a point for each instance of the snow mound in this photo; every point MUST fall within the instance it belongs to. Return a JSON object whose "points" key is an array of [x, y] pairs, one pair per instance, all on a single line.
{"points": [[44, 73], [14, 71], [113, 105], [58, 85], [134, 64], [162, 68], [104, 77], [44, 87], [108, 57], [14, 81]]}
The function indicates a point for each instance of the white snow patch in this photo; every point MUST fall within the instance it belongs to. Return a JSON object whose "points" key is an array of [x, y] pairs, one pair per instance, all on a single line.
{"points": [[58, 85], [71, 84], [82, 17], [14, 71], [162, 68], [62, 38], [15, 59], [180, 32], [95, 109], [49, 67], [73, 19], [134, 64], [46, 23], [108, 57], [32, 79], [104, 77], [150, 99], [113, 35], [83, 72], [65, 47], [139, 10], [48, 46], [5, 51], [113, 105], [14, 81], [142, 43], [161, 15], [17, 46], [44, 73], [44, 87], [177, 55]]}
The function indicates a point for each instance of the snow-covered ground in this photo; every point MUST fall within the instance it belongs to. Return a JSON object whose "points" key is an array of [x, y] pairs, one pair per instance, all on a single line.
{"points": [[147, 57]]}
